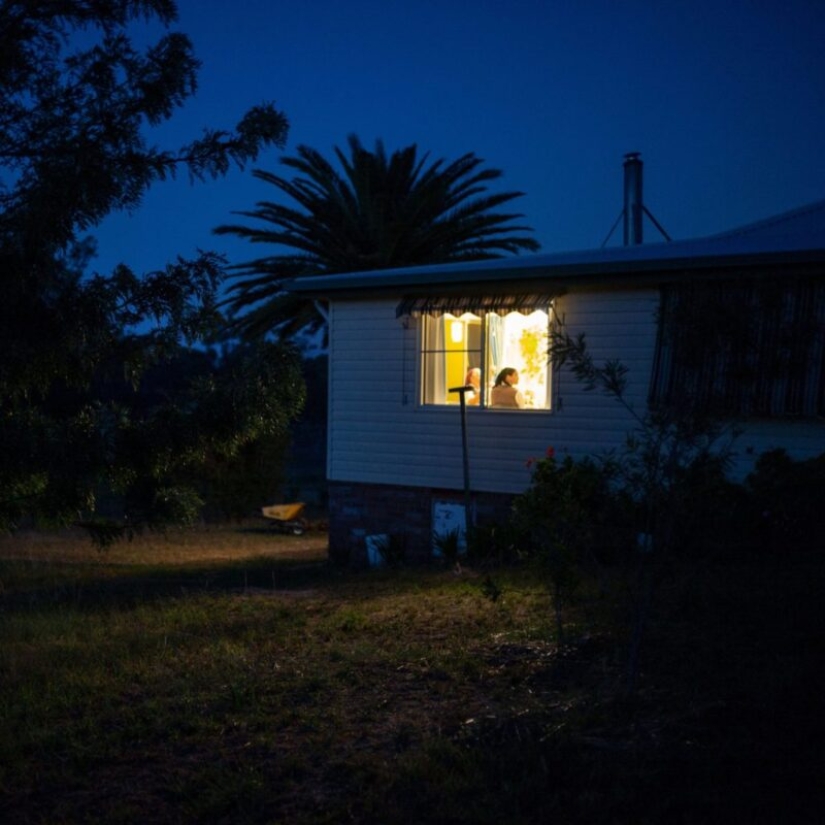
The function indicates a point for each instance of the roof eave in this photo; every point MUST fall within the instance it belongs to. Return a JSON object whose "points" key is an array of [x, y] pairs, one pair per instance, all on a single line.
{"points": [[512, 274]]}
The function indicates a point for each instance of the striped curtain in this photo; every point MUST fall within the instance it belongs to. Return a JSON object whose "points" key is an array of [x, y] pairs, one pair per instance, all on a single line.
{"points": [[477, 304], [742, 347]]}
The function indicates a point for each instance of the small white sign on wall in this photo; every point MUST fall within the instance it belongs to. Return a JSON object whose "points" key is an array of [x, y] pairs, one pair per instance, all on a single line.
{"points": [[448, 517]]}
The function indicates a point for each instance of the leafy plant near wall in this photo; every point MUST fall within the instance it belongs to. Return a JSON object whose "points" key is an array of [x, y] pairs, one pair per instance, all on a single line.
{"points": [[673, 464], [786, 501], [494, 545], [569, 516], [390, 547], [448, 546], [669, 457]]}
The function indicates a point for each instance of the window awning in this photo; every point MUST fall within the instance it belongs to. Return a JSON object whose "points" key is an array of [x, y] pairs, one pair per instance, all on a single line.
{"points": [[459, 304]]}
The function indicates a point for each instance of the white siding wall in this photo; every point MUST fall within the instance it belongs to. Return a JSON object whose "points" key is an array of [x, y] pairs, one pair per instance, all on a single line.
{"points": [[379, 433], [801, 440]]}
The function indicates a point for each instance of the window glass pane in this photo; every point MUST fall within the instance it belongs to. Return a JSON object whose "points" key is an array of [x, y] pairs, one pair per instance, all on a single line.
{"points": [[461, 350], [517, 342], [450, 348]]}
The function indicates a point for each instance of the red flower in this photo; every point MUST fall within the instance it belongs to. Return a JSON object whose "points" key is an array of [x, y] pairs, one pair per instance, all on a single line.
{"points": [[550, 452], [529, 463]]}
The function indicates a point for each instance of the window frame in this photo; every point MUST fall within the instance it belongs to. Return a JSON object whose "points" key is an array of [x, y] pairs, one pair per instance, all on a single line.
{"points": [[425, 350]]}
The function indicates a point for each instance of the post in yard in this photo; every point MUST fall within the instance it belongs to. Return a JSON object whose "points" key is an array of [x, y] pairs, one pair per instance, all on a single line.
{"points": [[462, 392]]}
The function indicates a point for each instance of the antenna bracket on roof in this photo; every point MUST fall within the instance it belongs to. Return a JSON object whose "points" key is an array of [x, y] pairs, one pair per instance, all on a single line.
{"points": [[634, 209]]}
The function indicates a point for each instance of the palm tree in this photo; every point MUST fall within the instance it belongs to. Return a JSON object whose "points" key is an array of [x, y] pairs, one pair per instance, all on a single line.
{"points": [[384, 212]]}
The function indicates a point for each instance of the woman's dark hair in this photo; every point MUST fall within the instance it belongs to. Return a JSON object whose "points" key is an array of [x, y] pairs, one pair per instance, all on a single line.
{"points": [[502, 375]]}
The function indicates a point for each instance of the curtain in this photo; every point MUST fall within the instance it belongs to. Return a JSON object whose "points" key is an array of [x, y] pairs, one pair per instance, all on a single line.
{"points": [[434, 363], [495, 343]]}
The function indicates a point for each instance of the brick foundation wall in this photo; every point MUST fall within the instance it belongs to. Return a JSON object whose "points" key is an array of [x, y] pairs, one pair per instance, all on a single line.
{"points": [[404, 514]]}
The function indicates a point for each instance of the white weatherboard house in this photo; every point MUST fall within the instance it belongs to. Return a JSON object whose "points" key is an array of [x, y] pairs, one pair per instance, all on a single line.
{"points": [[736, 319]]}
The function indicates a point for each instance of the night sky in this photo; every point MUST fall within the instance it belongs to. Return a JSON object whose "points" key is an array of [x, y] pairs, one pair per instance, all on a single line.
{"points": [[724, 99]]}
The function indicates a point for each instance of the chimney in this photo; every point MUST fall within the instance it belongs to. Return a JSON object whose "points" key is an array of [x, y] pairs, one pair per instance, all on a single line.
{"points": [[633, 206]]}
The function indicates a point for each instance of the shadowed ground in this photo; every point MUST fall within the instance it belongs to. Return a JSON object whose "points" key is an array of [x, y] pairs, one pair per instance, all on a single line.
{"points": [[232, 675]]}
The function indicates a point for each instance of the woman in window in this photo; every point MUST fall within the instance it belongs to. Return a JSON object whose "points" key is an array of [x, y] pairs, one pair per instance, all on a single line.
{"points": [[473, 379], [505, 392]]}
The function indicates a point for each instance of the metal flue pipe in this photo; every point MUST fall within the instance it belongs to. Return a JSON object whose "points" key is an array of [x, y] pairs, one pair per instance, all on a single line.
{"points": [[633, 203]]}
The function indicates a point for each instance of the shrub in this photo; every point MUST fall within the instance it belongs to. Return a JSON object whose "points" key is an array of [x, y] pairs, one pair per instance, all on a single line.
{"points": [[391, 548], [576, 504], [495, 544], [786, 497], [448, 546], [571, 517]]}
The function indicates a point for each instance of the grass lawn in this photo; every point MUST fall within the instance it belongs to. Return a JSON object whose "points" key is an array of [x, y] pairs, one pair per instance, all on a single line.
{"points": [[232, 676]]}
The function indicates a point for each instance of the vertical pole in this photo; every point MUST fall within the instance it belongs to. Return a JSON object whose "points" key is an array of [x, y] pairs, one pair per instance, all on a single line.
{"points": [[462, 392], [633, 199]]}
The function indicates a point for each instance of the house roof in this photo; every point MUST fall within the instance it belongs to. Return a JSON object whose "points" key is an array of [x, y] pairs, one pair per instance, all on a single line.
{"points": [[795, 237]]}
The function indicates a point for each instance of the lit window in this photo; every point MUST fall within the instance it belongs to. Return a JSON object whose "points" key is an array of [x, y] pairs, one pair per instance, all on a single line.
{"points": [[470, 349]]}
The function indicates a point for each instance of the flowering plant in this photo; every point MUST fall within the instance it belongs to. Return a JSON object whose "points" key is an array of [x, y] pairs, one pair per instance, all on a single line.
{"points": [[549, 453]]}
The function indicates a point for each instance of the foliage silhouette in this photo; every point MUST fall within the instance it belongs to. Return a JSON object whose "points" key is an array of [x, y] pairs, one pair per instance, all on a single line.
{"points": [[384, 211], [673, 460], [78, 100]]}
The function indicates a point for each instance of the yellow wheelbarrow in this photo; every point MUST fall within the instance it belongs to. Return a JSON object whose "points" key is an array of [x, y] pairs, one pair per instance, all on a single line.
{"points": [[288, 518]]}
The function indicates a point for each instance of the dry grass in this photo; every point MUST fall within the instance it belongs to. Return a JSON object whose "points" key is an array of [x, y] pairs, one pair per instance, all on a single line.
{"points": [[230, 675], [177, 546]]}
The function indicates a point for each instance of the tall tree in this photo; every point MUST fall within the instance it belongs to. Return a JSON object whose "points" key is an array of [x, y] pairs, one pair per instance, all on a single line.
{"points": [[381, 212], [77, 101]]}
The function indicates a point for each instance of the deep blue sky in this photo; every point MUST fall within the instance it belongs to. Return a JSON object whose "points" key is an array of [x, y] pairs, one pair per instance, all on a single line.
{"points": [[725, 100]]}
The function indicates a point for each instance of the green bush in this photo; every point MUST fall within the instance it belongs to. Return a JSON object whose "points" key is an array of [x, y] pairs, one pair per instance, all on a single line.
{"points": [[573, 512], [786, 499], [571, 518], [495, 544], [391, 548], [448, 546]]}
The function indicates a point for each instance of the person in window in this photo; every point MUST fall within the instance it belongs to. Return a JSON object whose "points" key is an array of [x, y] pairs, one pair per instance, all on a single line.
{"points": [[505, 392], [473, 379]]}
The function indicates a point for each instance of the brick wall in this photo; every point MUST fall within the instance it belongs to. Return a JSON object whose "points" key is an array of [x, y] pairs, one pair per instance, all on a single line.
{"points": [[404, 514]]}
